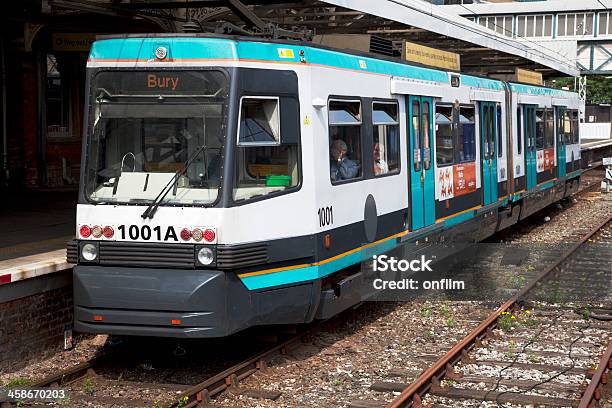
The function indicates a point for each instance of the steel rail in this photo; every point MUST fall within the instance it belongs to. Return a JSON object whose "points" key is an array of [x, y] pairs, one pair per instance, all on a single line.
{"points": [[593, 391], [201, 393], [444, 365]]}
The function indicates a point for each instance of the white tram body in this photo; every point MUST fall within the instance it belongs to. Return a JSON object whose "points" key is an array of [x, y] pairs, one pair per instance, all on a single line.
{"points": [[274, 193]]}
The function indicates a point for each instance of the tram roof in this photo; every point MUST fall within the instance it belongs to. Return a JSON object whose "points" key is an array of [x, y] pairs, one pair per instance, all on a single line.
{"points": [[132, 49]]}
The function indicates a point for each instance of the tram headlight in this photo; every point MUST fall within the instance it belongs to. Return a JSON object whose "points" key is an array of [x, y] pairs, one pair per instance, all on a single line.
{"points": [[89, 252], [206, 256]]}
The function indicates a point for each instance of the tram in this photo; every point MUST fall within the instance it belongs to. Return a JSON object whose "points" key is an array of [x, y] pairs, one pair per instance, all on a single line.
{"points": [[231, 182]]}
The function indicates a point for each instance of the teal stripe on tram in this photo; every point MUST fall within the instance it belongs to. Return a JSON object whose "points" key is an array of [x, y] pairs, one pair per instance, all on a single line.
{"points": [[317, 271], [181, 48], [539, 90]]}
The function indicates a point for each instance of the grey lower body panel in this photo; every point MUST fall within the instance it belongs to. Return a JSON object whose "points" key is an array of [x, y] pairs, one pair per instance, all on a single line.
{"points": [[145, 301]]}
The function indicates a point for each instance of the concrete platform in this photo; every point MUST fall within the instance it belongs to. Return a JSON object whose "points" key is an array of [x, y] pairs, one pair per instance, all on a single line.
{"points": [[32, 222], [595, 144], [34, 229]]}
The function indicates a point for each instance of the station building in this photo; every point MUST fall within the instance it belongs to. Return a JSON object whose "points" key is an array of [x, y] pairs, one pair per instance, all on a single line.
{"points": [[43, 52]]}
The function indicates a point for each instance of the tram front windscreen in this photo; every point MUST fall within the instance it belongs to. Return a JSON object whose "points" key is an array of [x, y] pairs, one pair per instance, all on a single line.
{"points": [[144, 126]]}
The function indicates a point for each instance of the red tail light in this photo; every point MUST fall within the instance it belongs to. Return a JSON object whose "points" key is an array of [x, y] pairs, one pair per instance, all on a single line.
{"points": [[185, 234], [209, 235], [96, 231], [85, 231], [108, 232]]}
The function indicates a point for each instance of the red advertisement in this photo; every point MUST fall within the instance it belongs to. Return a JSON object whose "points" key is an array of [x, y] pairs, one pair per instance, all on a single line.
{"points": [[549, 158], [464, 178]]}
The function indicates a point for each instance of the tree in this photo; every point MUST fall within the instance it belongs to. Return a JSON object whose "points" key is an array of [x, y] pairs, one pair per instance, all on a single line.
{"points": [[598, 89]]}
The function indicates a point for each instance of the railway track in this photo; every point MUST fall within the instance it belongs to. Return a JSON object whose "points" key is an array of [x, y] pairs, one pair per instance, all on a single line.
{"points": [[553, 346]]}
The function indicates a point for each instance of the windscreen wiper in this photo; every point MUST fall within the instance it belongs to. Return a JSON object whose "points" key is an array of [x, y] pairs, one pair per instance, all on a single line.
{"points": [[152, 208]]}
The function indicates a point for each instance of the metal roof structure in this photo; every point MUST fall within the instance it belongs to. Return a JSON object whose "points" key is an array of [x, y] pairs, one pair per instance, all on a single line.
{"points": [[482, 50], [579, 31]]}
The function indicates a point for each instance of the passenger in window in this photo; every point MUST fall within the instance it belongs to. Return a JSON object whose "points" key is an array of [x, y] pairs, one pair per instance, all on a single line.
{"points": [[380, 164], [342, 168]]}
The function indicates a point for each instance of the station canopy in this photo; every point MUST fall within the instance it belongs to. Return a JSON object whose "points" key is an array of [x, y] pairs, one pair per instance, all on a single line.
{"points": [[388, 23]]}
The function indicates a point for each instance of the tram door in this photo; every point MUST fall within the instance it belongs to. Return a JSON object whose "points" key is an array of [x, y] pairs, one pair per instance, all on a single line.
{"points": [[530, 145], [488, 140], [422, 193], [560, 134]]}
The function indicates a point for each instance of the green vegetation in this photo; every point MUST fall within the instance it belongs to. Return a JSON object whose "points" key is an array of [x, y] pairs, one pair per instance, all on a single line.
{"points": [[88, 387], [445, 310], [599, 88], [425, 311], [586, 313], [16, 382], [517, 281], [506, 321], [182, 402]]}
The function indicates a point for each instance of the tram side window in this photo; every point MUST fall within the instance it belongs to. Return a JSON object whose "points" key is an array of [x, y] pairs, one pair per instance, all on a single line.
{"points": [[466, 134], [574, 120], [386, 138], [500, 142], [492, 131], [444, 135], [550, 132], [267, 149], [345, 140], [426, 129], [416, 134], [519, 133], [540, 132]]}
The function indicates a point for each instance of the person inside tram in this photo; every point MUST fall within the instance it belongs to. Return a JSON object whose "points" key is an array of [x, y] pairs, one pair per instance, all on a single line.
{"points": [[342, 168], [380, 164]]}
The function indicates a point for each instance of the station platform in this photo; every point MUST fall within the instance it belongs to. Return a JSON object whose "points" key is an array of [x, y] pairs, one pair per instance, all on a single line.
{"points": [[34, 229], [595, 144]]}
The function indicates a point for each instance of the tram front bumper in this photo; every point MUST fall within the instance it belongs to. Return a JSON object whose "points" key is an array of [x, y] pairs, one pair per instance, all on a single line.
{"points": [[159, 302]]}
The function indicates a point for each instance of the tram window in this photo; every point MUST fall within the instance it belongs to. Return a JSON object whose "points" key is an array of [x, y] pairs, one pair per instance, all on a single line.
{"points": [[491, 131], [263, 167], [485, 132], [500, 142], [559, 126], [566, 128], [259, 121], [345, 140], [575, 128], [519, 133], [540, 138], [550, 135], [416, 135], [426, 129], [386, 138], [466, 134], [444, 135]]}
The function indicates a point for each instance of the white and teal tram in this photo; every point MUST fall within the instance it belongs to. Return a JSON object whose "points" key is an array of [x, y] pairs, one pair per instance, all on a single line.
{"points": [[230, 182]]}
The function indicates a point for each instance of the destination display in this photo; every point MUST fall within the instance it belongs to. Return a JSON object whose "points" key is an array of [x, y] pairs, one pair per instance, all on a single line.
{"points": [[204, 83]]}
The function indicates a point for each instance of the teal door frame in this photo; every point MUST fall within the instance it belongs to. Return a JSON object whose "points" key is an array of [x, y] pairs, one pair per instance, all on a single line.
{"points": [[560, 139], [420, 142], [488, 151], [529, 116]]}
